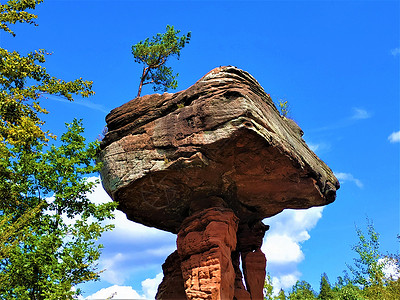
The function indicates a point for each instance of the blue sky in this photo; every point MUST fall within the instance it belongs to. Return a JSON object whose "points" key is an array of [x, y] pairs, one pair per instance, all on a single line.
{"points": [[337, 64]]}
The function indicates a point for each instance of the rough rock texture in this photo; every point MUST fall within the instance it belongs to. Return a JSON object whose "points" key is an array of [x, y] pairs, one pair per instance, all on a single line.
{"points": [[248, 248], [254, 264], [172, 286], [240, 292], [221, 137], [197, 161], [205, 244]]}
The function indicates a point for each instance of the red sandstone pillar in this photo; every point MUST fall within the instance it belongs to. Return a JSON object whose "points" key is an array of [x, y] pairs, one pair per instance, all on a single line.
{"points": [[250, 238], [254, 264], [205, 244], [241, 292]]}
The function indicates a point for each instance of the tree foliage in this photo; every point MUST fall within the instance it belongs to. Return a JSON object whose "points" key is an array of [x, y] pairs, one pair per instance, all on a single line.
{"points": [[301, 290], [14, 12], [62, 251], [367, 279], [283, 108], [281, 295], [153, 54], [48, 226], [325, 291], [268, 288], [367, 269]]}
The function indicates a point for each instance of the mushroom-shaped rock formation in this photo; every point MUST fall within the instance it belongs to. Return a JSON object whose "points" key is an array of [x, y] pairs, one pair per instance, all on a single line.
{"points": [[209, 163]]}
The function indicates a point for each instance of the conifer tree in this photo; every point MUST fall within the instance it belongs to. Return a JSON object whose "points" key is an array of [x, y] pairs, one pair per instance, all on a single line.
{"points": [[281, 295], [153, 54], [325, 292], [301, 291]]}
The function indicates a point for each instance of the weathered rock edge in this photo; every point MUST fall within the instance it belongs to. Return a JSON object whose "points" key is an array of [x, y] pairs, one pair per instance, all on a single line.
{"points": [[165, 155]]}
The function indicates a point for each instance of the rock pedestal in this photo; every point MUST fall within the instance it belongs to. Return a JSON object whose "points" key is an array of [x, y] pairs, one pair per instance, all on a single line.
{"points": [[205, 244], [206, 264], [254, 264], [208, 164]]}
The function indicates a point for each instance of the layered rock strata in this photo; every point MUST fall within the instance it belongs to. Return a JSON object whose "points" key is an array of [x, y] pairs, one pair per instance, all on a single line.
{"points": [[219, 148]]}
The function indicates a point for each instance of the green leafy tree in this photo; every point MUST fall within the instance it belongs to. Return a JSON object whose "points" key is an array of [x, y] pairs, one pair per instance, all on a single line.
{"points": [[153, 54], [48, 226], [393, 288], [367, 269], [347, 291], [14, 12], [11, 235], [302, 290], [366, 280], [268, 288], [62, 251]]}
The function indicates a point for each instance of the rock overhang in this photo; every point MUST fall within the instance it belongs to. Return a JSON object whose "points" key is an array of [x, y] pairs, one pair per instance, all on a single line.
{"points": [[222, 138]]}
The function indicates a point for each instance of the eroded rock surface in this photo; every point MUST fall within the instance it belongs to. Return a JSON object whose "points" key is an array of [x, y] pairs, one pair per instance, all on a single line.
{"points": [[172, 286], [205, 244], [221, 137], [199, 161]]}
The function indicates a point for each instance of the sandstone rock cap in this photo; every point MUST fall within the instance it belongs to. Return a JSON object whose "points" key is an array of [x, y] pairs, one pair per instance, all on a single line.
{"points": [[221, 142]]}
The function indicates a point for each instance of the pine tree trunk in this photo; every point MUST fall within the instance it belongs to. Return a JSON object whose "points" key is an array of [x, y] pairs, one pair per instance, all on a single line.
{"points": [[144, 74]]}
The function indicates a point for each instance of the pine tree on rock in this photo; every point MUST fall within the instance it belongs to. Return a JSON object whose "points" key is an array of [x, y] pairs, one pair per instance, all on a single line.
{"points": [[154, 53]]}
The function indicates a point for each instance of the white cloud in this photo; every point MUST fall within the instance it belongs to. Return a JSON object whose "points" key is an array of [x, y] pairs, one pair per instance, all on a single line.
{"points": [[313, 147], [395, 51], [150, 286], [391, 268], [318, 147], [84, 103], [285, 281], [112, 272], [116, 292], [98, 195], [134, 231], [282, 249], [131, 246], [132, 252], [356, 115], [282, 244], [394, 137], [162, 251], [343, 177], [360, 114], [124, 228]]}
